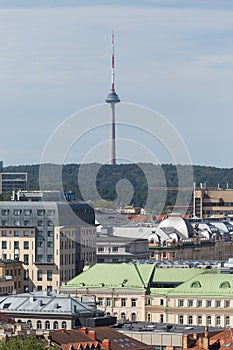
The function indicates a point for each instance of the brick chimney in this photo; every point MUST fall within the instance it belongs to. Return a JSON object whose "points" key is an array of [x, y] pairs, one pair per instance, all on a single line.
{"points": [[204, 342], [91, 334], [106, 344], [84, 330], [185, 341]]}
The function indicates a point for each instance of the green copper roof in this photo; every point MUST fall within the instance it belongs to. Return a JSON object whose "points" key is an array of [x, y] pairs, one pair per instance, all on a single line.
{"points": [[175, 274], [206, 284], [124, 275]]}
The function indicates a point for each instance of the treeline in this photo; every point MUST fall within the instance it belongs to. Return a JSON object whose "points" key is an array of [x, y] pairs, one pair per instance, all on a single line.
{"points": [[140, 184]]}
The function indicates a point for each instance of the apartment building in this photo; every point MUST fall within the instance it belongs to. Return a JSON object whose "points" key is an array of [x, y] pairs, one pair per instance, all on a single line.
{"points": [[54, 240]]}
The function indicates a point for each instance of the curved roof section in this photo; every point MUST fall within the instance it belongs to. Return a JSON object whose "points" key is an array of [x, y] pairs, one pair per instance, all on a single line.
{"points": [[178, 223]]}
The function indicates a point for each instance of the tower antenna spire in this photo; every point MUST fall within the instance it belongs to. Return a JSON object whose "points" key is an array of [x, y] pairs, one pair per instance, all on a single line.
{"points": [[112, 98]]}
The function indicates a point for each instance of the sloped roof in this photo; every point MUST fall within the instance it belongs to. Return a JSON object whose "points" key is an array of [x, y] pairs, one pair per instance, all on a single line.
{"points": [[175, 274], [43, 303], [208, 284], [133, 276]]}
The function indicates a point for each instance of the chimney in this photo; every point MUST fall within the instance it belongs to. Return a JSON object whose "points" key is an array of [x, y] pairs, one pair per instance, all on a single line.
{"points": [[185, 341], [83, 330], [106, 344], [91, 334], [204, 342]]}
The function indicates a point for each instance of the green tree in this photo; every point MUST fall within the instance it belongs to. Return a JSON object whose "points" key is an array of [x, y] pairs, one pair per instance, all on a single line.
{"points": [[25, 343]]}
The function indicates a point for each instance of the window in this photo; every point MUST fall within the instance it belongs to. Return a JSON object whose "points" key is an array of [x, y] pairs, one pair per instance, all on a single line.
{"points": [[16, 244], [49, 275], [208, 303], [17, 212], [49, 258], [218, 303], [227, 303], [39, 244], [100, 249], [227, 320], [208, 320], [47, 325], [181, 302], [55, 325], [29, 322], [50, 212], [40, 212], [133, 317], [5, 212], [123, 302], [40, 223], [16, 233], [123, 317], [199, 320], [199, 303], [26, 223], [39, 325], [25, 275], [148, 317], [161, 302], [4, 223], [4, 244], [39, 275], [190, 320], [26, 245], [161, 318], [26, 259], [108, 302], [115, 249], [16, 223], [218, 321], [63, 325], [50, 244], [181, 319], [190, 303], [50, 223], [27, 212], [133, 302], [4, 233], [100, 301]]}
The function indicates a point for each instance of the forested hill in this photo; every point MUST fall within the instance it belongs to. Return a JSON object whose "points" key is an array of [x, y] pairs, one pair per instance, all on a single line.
{"points": [[125, 183]]}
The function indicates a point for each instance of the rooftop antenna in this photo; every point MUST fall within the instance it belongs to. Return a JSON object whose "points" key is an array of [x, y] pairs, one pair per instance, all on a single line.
{"points": [[112, 98]]}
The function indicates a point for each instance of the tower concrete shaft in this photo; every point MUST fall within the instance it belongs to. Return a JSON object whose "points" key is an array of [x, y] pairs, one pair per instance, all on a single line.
{"points": [[112, 98]]}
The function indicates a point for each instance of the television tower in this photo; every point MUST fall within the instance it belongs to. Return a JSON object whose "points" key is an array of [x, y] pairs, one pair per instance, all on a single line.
{"points": [[113, 99]]}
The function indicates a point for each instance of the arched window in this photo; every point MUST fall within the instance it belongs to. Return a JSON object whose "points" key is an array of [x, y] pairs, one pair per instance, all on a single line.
{"points": [[29, 323], [38, 324], [225, 284], [196, 284], [47, 325], [190, 319], [208, 320], [123, 317], [63, 325], [55, 325], [148, 317], [181, 319], [133, 317], [199, 320], [218, 321]]}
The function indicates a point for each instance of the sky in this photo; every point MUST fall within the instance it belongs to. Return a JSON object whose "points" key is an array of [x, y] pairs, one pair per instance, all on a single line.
{"points": [[172, 57]]}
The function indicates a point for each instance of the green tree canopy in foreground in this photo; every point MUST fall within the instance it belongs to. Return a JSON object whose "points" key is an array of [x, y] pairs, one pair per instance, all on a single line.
{"points": [[25, 343]]}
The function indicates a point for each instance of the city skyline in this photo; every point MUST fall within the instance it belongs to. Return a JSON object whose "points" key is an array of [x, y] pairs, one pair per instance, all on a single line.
{"points": [[173, 58]]}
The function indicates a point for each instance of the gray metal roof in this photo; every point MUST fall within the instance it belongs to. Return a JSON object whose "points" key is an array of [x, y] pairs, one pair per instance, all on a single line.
{"points": [[43, 302]]}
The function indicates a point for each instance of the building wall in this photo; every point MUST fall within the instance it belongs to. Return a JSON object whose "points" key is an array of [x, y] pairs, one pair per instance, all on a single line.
{"points": [[212, 312], [213, 202], [51, 254]]}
